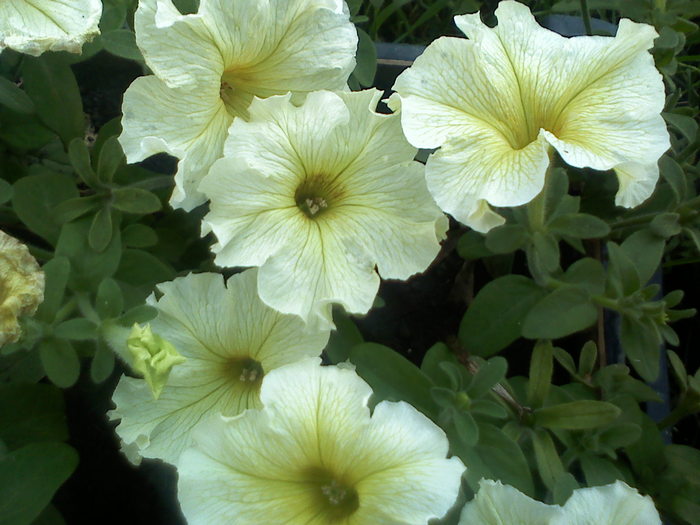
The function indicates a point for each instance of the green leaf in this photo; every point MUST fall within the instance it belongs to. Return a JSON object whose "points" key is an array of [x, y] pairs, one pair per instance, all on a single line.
{"points": [[666, 225], [543, 254], [110, 129], [541, 366], [646, 250], [140, 268], [60, 362], [80, 160], [89, 266], [393, 377], [579, 226], [674, 175], [366, 66], [621, 435], [122, 43], [13, 98], [564, 311], [599, 471], [109, 302], [30, 476], [686, 125], [466, 428], [679, 370], [437, 354], [489, 374], [565, 360], [56, 273], [493, 321], [49, 82], [472, 245], [35, 198], [577, 415], [111, 158], [49, 516], [564, 487], [5, 191], [76, 330], [135, 200], [587, 273], [73, 209], [138, 314], [343, 338], [139, 236], [101, 230], [31, 413], [102, 363], [641, 344], [25, 133], [506, 238], [623, 277], [549, 465], [504, 458], [587, 359]]}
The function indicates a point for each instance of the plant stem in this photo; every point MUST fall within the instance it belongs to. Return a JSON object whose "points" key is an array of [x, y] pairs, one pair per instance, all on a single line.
{"points": [[586, 15], [537, 207]]}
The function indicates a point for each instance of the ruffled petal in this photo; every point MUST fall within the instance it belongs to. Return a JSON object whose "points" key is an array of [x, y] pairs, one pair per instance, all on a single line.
{"points": [[178, 48], [35, 26], [498, 504], [637, 182], [614, 504], [189, 123], [465, 174]]}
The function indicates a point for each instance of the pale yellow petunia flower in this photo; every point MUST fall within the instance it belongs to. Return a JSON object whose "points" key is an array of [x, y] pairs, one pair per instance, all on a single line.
{"points": [[229, 341], [21, 287], [497, 103], [208, 67], [324, 197], [313, 455], [35, 26]]}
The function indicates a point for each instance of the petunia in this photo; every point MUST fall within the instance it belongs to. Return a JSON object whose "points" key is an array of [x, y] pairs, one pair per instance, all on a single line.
{"points": [[208, 67], [614, 504], [314, 455], [229, 340], [317, 195], [498, 104], [35, 26], [21, 287]]}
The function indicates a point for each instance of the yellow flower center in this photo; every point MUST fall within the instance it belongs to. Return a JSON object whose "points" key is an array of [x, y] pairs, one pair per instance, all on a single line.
{"points": [[317, 194], [247, 371], [235, 92], [336, 498]]}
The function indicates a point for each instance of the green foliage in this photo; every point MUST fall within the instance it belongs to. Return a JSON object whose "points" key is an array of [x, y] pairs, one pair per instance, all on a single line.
{"points": [[543, 418]]}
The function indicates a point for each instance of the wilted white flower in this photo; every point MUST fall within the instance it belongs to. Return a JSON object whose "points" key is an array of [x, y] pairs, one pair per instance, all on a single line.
{"points": [[35, 26], [614, 504], [317, 195], [313, 454], [21, 287], [208, 67], [230, 340], [497, 103]]}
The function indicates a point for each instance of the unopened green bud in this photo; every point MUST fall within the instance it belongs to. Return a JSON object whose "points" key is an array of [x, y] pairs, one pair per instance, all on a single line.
{"points": [[154, 357]]}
